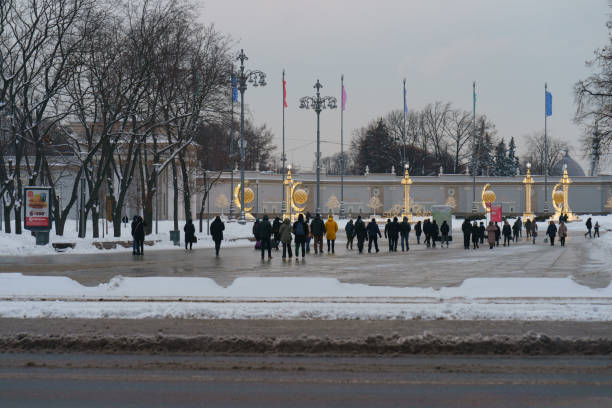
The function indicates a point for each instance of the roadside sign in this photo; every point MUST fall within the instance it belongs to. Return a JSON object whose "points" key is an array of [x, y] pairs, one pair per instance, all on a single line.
{"points": [[37, 208]]}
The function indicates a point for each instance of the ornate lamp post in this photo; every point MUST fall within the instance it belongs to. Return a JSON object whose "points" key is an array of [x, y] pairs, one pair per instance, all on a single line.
{"points": [[528, 182], [156, 167], [406, 182], [256, 78], [318, 103]]}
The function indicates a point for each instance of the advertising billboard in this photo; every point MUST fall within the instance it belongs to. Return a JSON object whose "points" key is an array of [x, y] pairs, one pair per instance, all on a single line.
{"points": [[37, 208], [496, 213], [442, 213]]}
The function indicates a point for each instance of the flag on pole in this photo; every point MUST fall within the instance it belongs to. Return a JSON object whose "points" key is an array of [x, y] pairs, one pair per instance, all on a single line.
{"points": [[285, 93], [343, 97], [548, 103], [234, 89]]}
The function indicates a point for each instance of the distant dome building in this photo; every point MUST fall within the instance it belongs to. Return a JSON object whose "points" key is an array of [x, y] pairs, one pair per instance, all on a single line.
{"points": [[573, 168]]}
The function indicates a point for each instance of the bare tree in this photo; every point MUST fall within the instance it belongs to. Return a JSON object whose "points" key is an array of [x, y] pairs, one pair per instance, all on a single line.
{"points": [[459, 131], [536, 152]]}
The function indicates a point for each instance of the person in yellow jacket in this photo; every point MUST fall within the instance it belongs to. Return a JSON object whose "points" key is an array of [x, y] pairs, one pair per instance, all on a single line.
{"points": [[331, 227]]}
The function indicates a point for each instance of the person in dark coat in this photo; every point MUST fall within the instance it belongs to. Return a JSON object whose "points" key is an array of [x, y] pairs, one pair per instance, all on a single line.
{"points": [[386, 232], [497, 234], [265, 235], [135, 249], [589, 225], [350, 233], [373, 235], [256, 234], [534, 231], [435, 233], [393, 234], [317, 227], [427, 230], [507, 232], [139, 235], [519, 222], [405, 233], [189, 230], [361, 233], [528, 228], [444, 230], [475, 235], [551, 231], [595, 229], [418, 230], [276, 231], [516, 230], [482, 232], [466, 228], [216, 230], [300, 230]]}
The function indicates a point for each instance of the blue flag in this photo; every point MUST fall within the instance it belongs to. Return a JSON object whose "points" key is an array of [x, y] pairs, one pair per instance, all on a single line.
{"points": [[234, 89], [548, 103]]}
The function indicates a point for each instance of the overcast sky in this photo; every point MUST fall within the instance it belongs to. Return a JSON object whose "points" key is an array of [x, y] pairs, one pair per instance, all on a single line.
{"points": [[510, 48]]}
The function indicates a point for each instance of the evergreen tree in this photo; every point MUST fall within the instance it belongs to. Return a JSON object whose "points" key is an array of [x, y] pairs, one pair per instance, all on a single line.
{"points": [[512, 159], [500, 165]]}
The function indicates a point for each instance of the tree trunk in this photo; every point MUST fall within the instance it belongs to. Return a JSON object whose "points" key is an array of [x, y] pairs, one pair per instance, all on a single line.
{"points": [[17, 206], [201, 215], [95, 220], [175, 197], [186, 186], [7, 219]]}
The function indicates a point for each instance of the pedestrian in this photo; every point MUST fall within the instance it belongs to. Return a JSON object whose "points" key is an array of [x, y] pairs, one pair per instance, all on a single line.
{"points": [[507, 232], [427, 231], [308, 217], [373, 235], [308, 236], [466, 228], [492, 234], [216, 230], [515, 231], [265, 236], [589, 225], [394, 231], [350, 233], [285, 237], [528, 228], [405, 233], [418, 229], [551, 231], [276, 231], [125, 220], [361, 233], [534, 231], [386, 232], [435, 233], [135, 249], [481, 232], [444, 230], [256, 234], [189, 230], [139, 235], [475, 235], [331, 227], [300, 230], [562, 233], [596, 230], [317, 228], [520, 227], [497, 234]]}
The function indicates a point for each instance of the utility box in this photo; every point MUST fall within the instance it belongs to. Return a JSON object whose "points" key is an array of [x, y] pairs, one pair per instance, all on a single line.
{"points": [[175, 236], [42, 237]]}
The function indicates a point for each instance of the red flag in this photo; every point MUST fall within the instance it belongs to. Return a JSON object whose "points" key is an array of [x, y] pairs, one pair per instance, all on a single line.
{"points": [[496, 213], [285, 93]]}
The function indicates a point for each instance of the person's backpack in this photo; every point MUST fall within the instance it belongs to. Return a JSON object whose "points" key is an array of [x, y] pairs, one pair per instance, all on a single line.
{"points": [[299, 229]]}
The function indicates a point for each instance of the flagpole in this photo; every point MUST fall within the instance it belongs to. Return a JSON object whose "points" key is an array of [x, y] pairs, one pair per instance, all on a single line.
{"points": [[231, 205], [545, 154], [283, 157], [342, 146], [474, 147], [404, 134]]}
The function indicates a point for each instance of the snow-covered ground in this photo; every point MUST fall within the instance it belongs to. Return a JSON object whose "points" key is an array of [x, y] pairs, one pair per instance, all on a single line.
{"points": [[235, 236]]}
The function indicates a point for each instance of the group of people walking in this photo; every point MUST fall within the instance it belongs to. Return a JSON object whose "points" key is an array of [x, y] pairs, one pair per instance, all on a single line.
{"points": [[475, 233]]}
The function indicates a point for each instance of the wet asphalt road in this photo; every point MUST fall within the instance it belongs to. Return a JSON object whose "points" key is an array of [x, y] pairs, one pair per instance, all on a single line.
{"points": [[79, 380], [420, 267]]}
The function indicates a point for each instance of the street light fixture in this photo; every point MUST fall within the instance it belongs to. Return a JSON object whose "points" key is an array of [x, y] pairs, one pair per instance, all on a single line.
{"points": [[156, 167], [256, 78], [318, 103]]}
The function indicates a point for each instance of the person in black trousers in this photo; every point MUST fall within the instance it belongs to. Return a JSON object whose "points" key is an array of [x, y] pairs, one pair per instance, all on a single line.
{"points": [[475, 234], [418, 230], [551, 231], [189, 230], [265, 234], [216, 230], [361, 233], [373, 235], [466, 227]]}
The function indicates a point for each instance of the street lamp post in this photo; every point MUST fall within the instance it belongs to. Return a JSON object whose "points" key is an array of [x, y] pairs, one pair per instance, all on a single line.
{"points": [[256, 78], [318, 103], [528, 181], [156, 167]]}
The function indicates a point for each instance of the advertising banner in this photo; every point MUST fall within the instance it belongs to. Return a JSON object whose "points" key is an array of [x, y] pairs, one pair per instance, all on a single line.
{"points": [[37, 208], [496, 213]]}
